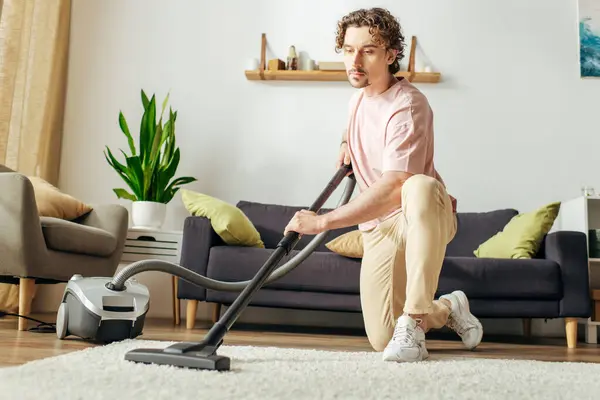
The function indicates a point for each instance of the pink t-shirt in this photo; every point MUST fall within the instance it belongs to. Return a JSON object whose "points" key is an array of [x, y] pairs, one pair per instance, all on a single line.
{"points": [[392, 131]]}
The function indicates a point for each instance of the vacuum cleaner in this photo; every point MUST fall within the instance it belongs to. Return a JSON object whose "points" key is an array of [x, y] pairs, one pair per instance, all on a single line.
{"points": [[105, 309]]}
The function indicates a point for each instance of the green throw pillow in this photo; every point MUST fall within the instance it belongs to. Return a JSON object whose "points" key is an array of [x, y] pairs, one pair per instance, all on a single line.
{"points": [[228, 221], [522, 236]]}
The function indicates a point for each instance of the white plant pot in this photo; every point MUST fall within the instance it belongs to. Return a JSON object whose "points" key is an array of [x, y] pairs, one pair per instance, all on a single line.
{"points": [[148, 214]]}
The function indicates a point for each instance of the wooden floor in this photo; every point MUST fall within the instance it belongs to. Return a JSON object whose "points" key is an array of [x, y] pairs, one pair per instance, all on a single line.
{"points": [[18, 347]]}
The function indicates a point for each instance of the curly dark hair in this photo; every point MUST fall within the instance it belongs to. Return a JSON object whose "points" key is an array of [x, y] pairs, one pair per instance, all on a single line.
{"points": [[384, 27]]}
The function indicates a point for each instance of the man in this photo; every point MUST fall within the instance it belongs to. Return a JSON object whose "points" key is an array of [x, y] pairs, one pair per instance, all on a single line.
{"points": [[404, 212]]}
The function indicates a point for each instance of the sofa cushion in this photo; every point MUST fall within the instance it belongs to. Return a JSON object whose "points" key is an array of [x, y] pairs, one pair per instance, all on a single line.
{"points": [[522, 236], [320, 272], [501, 278], [474, 228], [228, 221], [348, 245], [61, 235], [271, 219], [51, 202]]}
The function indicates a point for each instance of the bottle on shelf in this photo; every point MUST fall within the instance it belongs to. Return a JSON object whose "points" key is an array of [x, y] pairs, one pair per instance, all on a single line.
{"points": [[292, 59]]}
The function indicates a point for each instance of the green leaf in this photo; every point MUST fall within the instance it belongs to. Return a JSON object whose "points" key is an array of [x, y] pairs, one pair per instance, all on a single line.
{"points": [[132, 180], [144, 100], [122, 171], [164, 104], [117, 166], [182, 180], [175, 186], [125, 129], [166, 173], [124, 194], [171, 168], [158, 137], [166, 132], [136, 173], [170, 140], [147, 129], [176, 183], [151, 124]]}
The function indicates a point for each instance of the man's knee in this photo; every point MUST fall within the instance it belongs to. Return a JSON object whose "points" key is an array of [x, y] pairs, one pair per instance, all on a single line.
{"points": [[379, 328], [379, 338], [421, 184], [421, 192]]}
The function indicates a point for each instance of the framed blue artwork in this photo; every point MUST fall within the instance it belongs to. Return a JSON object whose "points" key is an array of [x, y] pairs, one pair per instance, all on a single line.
{"points": [[589, 38]]}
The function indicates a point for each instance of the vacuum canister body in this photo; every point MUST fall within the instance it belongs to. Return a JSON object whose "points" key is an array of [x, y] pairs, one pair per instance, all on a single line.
{"points": [[91, 311]]}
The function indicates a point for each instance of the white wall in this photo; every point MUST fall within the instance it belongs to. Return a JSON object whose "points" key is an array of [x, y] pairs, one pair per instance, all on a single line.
{"points": [[511, 111]]}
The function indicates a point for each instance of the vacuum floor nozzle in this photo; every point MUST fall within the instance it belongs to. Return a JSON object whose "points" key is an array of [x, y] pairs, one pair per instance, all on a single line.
{"points": [[206, 360]]}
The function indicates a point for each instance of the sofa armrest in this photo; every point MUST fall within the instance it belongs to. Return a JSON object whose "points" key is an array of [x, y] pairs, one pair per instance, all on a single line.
{"points": [[21, 239], [198, 238], [569, 250], [112, 218]]}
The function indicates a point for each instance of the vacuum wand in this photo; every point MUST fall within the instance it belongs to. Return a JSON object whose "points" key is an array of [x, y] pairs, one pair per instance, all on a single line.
{"points": [[283, 248], [203, 355]]}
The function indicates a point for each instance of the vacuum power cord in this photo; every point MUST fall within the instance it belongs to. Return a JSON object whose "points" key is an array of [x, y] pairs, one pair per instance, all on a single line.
{"points": [[44, 327]]}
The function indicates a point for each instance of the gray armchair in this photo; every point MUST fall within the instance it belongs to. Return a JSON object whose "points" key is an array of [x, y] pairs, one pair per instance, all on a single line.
{"points": [[36, 249]]}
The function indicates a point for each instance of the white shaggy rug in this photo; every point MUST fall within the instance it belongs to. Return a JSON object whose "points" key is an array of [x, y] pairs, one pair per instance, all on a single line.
{"points": [[275, 373]]}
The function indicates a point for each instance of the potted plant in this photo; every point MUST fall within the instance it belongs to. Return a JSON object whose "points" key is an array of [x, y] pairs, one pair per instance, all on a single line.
{"points": [[150, 172]]}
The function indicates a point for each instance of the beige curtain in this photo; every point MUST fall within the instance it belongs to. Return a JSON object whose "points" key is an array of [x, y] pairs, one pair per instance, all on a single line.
{"points": [[34, 43]]}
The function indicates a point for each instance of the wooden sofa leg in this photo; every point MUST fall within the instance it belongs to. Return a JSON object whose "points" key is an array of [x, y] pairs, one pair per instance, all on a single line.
{"points": [[176, 302], [216, 312], [527, 327], [26, 293], [190, 316], [571, 331]]}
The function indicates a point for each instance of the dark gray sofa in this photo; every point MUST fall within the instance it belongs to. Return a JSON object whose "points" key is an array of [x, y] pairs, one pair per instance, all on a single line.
{"points": [[554, 284]]}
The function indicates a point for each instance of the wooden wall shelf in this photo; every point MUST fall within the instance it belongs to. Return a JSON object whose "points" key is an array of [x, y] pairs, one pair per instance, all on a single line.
{"points": [[331, 76], [263, 74]]}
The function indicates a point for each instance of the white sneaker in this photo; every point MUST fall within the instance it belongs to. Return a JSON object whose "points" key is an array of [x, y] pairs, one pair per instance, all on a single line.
{"points": [[407, 343], [465, 324]]}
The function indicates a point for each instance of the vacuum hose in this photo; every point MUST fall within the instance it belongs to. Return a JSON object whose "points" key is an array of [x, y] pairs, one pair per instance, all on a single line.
{"points": [[288, 242]]}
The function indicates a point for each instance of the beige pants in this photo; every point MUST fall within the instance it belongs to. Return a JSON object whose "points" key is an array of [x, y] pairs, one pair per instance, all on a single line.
{"points": [[403, 258]]}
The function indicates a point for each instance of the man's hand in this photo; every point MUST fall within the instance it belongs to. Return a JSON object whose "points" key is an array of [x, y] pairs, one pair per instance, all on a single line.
{"points": [[343, 157], [305, 222]]}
